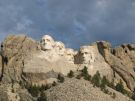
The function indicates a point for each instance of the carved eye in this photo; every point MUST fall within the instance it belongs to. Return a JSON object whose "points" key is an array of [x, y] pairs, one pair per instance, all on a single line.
{"points": [[48, 40], [82, 53], [86, 53], [69, 54]]}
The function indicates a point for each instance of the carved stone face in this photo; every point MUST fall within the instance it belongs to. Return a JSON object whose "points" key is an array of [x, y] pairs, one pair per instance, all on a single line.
{"points": [[87, 54], [70, 55], [47, 42], [60, 48]]}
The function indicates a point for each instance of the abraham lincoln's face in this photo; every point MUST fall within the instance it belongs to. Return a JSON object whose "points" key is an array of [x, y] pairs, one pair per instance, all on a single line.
{"points": [[47, 42], [87, 54]]}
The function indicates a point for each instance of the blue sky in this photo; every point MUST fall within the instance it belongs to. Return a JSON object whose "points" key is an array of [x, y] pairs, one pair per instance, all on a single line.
{"points": [[75, 22]]}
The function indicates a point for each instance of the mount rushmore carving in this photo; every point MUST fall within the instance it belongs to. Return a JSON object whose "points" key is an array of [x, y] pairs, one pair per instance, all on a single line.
{"points": [[32, 61]]}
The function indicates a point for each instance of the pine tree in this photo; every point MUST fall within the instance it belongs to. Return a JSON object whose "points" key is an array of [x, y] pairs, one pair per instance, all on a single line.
{"points": [[119, 87], [60, 78], [33, 90], [78, 76], [70, 74], [42, 97], [133, 96], [44, 87], [85, 71], [85, 74], [96, 79], [87, 77], [104, 82], [111, 84], [54, 83]]}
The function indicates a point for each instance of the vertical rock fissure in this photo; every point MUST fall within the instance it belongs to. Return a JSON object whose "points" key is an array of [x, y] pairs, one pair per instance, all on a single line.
{"points": [[2, 70]]}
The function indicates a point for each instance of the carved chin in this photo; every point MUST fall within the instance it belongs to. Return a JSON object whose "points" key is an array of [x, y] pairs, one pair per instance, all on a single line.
{"points": [[48, 47], [85, 61]]}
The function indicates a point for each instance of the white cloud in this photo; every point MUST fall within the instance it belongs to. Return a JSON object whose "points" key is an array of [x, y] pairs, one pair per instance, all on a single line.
{"points": [[91, 19]]}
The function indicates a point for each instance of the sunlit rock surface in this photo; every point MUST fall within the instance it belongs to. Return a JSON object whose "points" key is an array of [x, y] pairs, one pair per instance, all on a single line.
{"points": [[24, 59]]}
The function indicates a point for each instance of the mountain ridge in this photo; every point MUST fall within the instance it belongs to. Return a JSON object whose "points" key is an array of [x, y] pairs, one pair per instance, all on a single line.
{"points": [[25, 60]]}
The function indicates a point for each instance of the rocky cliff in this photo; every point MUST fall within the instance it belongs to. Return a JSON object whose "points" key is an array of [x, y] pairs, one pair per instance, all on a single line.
{"points": [[121, 60], [23, 59]]}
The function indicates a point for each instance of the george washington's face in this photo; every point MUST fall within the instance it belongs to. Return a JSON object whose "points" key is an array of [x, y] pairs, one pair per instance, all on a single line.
{"points": [[87, 54], [47, 42]]}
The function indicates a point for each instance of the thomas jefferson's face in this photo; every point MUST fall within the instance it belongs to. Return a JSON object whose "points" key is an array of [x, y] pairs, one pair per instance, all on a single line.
{"points": [[60, 48], [70, 55]]}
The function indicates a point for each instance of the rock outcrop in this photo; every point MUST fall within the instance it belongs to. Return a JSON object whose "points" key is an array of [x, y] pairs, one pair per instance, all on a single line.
{"points": [[52, 58], [90, 56], [14, 50], [10, 92], [26, 60], [120, 62]]}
